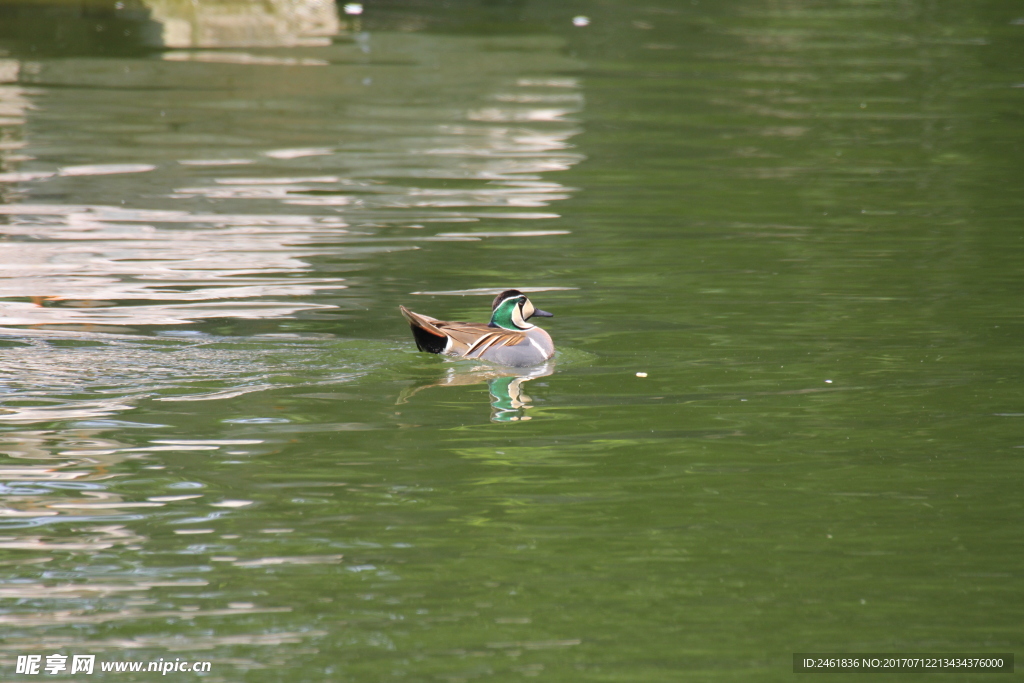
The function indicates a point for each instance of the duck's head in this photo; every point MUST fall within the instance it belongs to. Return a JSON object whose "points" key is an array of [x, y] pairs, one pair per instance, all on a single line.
{"points": [[511, 309]]}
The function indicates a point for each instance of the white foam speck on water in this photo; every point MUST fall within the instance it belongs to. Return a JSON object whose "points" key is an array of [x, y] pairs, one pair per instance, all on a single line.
{"points": [[105, 169], [215, 162], [299, 153]]}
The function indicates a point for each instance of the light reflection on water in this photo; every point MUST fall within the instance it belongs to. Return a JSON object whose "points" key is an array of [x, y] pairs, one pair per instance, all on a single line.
{"points": [[126, 209], [84, 263], [80, 262], [89, 268]]}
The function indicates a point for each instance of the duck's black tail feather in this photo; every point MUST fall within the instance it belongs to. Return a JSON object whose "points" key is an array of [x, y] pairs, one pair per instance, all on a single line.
{"points": [[428, 341]]}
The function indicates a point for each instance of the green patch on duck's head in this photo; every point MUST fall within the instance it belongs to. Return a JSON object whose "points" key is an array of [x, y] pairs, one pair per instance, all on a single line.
{"points": [[511, 309]]}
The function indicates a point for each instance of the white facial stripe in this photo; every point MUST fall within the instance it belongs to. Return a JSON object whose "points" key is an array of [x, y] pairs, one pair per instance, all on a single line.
{"points": [[528, 309], [518, 320]]}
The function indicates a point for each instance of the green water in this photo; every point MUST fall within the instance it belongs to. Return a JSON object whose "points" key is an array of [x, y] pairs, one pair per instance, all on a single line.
{"points": [[801, 220]]}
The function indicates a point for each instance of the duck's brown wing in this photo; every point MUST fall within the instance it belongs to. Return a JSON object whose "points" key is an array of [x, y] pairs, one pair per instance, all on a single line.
{"points": [[472, 340]]}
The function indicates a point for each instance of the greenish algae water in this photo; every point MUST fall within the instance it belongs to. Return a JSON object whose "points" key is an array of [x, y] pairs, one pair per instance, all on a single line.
{"points": [[801, 220]]}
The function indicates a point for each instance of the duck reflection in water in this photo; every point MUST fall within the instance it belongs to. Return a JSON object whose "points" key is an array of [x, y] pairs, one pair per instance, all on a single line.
{"points": [[508, 402]]}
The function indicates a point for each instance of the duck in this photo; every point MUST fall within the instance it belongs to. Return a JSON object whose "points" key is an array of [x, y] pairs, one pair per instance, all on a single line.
{"points": [[509, 339]]}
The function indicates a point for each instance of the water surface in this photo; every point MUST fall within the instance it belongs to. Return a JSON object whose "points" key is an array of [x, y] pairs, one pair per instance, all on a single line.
{"points": [[798, 222]]}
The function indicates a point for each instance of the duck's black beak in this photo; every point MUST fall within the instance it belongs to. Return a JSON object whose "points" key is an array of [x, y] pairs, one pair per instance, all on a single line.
{"points": [[537, 313]]}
